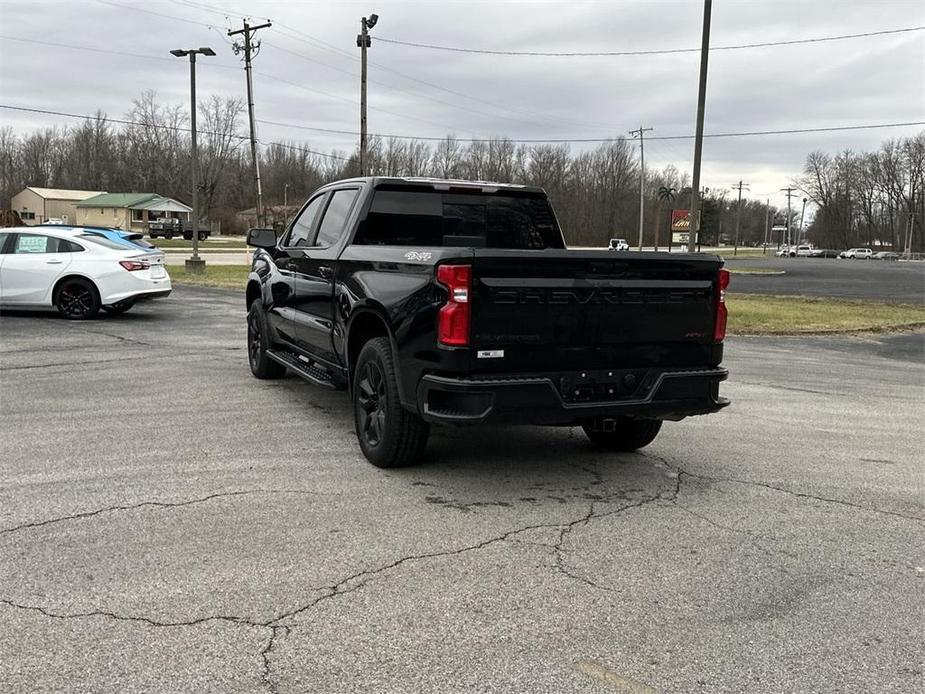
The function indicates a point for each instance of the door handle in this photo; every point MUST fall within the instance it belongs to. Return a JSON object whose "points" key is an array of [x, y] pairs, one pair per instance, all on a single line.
{"points": [[54, 262], [326, 272]]}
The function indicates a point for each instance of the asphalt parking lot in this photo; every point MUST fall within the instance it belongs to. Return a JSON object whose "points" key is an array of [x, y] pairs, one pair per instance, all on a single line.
{"points": [[846, 279], [168, 523]]}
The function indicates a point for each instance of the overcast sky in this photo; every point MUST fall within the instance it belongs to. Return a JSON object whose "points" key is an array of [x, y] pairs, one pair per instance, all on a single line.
{"points": [[307, 72]]}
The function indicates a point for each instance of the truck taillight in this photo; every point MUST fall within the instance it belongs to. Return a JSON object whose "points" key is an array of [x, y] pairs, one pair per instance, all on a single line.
{"points": [[453, 319], [719, 328], [132, 265]]}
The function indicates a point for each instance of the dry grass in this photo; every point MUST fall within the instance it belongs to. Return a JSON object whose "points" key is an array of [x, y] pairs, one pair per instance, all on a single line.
{"points": [[221, 276], [757, 314]]}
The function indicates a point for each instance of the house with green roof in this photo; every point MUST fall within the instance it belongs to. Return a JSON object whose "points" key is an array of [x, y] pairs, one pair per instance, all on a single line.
{"points": [[129, 211]]}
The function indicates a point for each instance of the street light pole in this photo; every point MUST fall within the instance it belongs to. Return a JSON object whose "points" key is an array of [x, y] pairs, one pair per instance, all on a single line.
{"points": [[364, 42], [698, 138], [194, 265]]}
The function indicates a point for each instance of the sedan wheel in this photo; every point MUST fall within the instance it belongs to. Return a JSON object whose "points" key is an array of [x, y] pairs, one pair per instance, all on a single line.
{"points": [[77, 299]]}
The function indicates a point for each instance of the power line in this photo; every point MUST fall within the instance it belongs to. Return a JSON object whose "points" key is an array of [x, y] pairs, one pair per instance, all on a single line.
{"points": [[156, 14], [322, 44], [107, 51], [174, 128], [667, 51], [792, 131], [223, 67], [415, 95]]}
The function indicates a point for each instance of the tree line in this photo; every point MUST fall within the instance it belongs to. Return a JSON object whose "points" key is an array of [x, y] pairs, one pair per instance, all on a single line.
{"points": [[860, 197]]}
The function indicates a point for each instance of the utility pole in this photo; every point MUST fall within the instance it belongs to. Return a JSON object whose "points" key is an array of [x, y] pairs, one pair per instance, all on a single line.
{"points": [[698, 141], [740, 186], [248, 49], [790, 193], [767, 226], [640, 131], [802, 215], [363, 43], [194, 265]]}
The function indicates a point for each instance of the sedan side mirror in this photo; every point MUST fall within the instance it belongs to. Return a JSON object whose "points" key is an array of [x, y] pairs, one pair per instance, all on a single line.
{"points": [[261, 238]]}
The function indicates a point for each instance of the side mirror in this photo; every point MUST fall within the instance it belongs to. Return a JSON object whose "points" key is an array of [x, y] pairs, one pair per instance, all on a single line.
{"points": [[261, 238]]}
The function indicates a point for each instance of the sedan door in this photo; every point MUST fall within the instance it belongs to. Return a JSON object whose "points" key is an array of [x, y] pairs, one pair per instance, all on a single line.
{"points": [[31, 267], [313, 274]]}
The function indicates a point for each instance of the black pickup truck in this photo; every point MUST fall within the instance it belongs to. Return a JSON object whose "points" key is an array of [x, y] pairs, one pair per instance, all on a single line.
{"points": [[168, 227], [456, 302]]}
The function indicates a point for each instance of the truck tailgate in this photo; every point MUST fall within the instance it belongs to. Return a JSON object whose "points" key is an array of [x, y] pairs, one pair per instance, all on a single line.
{"points": [[593, 309]]}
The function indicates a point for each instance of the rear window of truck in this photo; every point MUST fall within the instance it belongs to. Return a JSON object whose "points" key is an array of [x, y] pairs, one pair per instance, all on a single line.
{"points": [[436, 218]]}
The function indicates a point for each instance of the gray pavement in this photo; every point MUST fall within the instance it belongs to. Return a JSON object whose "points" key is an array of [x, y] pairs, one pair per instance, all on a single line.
{"points": [[168, 523], [846, 279]]}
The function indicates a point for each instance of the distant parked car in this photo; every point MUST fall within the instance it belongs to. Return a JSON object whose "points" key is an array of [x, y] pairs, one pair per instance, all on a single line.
{"points": [[855, 253], [886, 255], [782, 252], [77, 271], [802, 251], [618, 245], [823, 253]]}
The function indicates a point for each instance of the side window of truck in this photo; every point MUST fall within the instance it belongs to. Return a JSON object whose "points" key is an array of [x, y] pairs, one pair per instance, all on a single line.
{"points": [[335, 217], [301, 231]]}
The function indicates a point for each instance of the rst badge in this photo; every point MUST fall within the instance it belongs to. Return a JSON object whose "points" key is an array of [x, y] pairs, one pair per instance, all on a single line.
{"points": [[491, 354], [418, 255]]}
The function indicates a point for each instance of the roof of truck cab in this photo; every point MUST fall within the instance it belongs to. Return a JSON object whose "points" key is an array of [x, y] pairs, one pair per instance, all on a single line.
{"points": [[439, 183]]}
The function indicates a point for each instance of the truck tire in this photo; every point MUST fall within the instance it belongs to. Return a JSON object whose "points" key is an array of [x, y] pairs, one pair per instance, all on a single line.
{"points": [[202, 235], [388, 434], [258, 341], [168, 235], [627, 435]]}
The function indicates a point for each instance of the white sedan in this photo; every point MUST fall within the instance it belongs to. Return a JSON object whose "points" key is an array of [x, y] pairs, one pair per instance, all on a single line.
{"points": [[77, 270]]}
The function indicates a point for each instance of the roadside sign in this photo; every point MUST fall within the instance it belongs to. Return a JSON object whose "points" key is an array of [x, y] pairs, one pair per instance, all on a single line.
{"points": [[681, 220], [681, 237]]}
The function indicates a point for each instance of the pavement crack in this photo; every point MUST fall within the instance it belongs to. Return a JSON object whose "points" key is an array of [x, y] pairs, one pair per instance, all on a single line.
{"points": [[783, 490], [265, 654], [232, 619], [146, 504], [361, 578]]}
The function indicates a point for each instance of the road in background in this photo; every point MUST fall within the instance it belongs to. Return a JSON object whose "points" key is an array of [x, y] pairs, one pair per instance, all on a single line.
{"points": [[168, 523], [847, 279]]}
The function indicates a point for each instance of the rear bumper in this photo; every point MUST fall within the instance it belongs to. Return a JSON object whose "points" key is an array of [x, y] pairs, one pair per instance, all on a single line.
{"points": [[572, 397], [136, 296]]}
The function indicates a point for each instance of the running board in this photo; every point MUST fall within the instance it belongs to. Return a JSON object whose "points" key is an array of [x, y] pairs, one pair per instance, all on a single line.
{"points": [[307, 370]]}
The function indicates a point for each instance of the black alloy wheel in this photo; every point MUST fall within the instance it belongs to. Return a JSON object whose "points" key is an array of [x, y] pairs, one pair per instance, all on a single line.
{"points": [[261, 365], [389, 435], [373, 403], [77, 299]]}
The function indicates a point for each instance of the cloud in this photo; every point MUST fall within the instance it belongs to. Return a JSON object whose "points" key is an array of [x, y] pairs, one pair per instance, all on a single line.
{"points": [[307, 71]]}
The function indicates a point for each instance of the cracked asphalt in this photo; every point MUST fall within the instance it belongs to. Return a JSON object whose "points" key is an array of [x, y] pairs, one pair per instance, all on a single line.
{"points": [[168, 523]]}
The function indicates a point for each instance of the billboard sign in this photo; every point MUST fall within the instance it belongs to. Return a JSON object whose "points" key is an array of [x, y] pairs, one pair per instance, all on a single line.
{"points": [[681, 220]]}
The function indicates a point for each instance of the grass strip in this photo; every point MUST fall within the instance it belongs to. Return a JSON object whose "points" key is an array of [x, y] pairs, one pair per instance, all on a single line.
{"points": [[220, 276], [762, 314]]}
